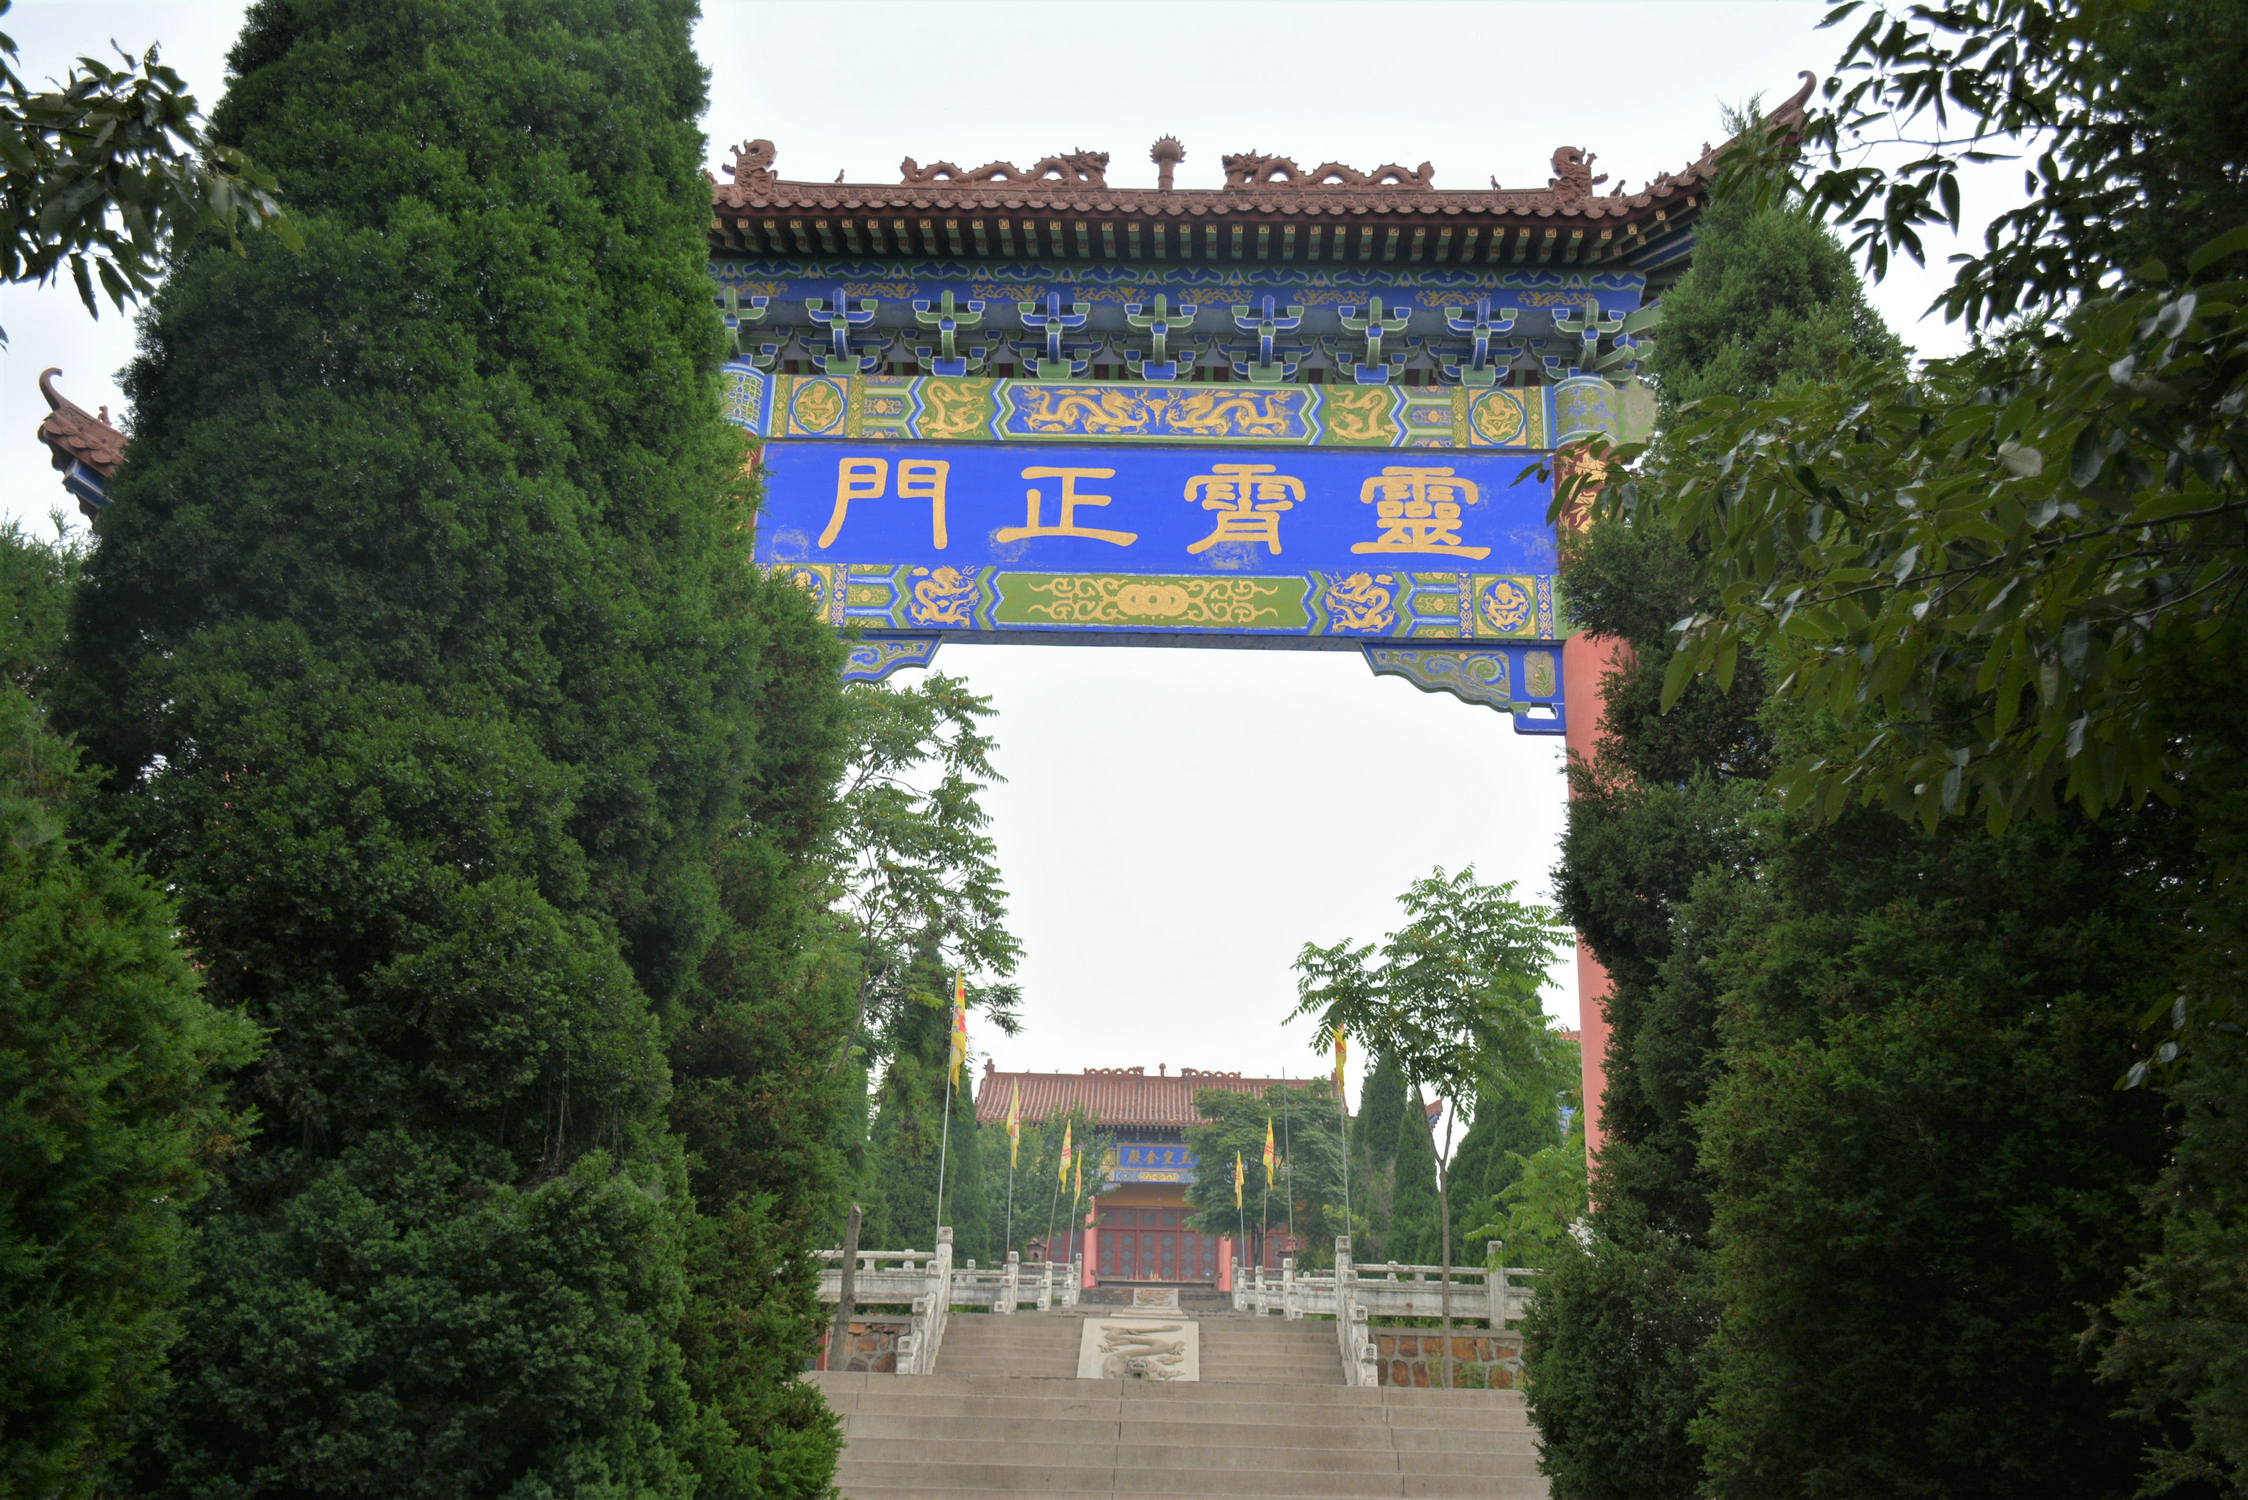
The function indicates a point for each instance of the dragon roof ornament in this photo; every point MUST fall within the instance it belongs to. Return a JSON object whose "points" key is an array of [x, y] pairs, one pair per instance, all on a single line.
{"points": [[1257, 188]]}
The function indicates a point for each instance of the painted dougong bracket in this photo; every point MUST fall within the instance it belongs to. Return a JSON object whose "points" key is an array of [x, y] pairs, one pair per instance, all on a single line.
{"points": [[874, 657], [1524, 681]]}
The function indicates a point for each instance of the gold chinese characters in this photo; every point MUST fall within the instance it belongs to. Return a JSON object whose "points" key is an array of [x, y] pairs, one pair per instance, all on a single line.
{"points": [[868, 479], [1248, 499], [1419, 511], [1070, 499]]}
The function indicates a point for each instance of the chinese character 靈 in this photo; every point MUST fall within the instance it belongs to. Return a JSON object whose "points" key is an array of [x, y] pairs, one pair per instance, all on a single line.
{"points": [[868, 479], [1248, 499], [1419, 511], [1070, 500]]}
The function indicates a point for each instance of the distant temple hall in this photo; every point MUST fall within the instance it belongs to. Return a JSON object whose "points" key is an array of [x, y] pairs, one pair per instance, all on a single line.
{"points": [[1137, 1230]]}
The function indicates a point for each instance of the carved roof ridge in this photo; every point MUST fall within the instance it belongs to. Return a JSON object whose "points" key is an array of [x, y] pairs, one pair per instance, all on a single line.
{"points": [[1255, 183], [75, 433]]}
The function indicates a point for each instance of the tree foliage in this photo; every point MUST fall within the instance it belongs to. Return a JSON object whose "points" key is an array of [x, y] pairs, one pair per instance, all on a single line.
{"points": [[113, 1118], [1922, 1177], [914, 873], [1453, 1000], [103, 175], [1308, 1168], [2130, 119], [1982, 573], [2011, 585], [1771, 302], [425, 666]]}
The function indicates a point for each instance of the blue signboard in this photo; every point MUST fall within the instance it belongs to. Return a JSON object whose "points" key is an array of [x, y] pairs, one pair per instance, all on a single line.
{"points": [[1186, 511], [1147, 1161]]}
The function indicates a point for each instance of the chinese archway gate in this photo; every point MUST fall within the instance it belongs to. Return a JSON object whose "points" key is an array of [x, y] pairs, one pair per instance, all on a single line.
{"points": [[1306, 410]]}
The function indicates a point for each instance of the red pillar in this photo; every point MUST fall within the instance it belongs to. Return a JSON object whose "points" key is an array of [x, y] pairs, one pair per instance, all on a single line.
{"points": [[1584, 661]]}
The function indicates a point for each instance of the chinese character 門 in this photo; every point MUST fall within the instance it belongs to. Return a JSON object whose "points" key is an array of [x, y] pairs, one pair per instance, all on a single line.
{"points": [[1248, 500], [869, 478]]}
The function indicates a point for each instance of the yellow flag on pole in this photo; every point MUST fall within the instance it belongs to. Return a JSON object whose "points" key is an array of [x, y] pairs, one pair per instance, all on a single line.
{"points": [[1338, 1059], [1268, 1148], [1014, 1125], [1239, 1176], [959, 1023], [1063, 1174]]}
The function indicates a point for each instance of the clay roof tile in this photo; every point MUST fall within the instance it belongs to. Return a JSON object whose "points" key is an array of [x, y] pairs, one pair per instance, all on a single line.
{"points": [[1116, 1098], [77, 434]]}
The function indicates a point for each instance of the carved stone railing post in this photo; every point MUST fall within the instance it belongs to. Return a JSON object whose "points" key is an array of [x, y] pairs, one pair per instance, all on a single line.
{"points": [[1076, 1281], [1352, 1333], [1289, 1312], [1011, 1288], [1495, 1284], [1240, 1287], [930, 1311]]}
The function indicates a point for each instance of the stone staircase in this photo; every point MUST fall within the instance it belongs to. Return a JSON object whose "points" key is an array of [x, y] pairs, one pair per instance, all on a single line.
{"points": [[1006, 1415]]}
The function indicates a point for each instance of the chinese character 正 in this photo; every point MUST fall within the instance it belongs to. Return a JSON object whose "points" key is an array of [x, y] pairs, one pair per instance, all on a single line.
{"points": [[1070, 499]]}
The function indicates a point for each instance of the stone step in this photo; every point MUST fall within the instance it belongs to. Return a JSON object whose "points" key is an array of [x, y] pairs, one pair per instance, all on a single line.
{"points": [[858, 1481], [1262, 1449], [1318, 1437], [841, 1386]]}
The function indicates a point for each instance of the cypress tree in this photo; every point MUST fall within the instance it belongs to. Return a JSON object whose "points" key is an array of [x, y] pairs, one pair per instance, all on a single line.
{"points": [[1373, 1133], [1617, 1348], [1510, 1126], [425, 667], [1772, 300], [1921, 1172], [758, 1101], [111, 1123], [1866, 1170], [1414, 1236]]}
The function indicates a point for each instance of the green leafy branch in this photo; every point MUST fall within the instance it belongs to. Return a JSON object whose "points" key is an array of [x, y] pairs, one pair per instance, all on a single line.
{"points": [[100, 175], [1976, 573]]}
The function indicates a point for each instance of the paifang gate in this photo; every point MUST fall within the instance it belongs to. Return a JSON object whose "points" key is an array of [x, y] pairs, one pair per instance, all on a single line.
{"points": [[1310, 409]]}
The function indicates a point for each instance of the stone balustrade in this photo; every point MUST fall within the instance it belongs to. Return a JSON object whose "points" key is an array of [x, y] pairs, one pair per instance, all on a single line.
{"points": [[928, 1283], [1352, 1294]]}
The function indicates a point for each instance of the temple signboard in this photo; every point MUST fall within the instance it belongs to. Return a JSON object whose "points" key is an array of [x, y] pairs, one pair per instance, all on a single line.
{"points": [[1314, 408]]}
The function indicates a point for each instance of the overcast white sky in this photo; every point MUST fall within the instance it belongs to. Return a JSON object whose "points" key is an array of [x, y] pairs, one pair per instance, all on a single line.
{"points": [[1176, 823]]}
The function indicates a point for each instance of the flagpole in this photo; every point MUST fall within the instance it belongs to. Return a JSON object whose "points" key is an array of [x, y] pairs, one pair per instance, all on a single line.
{"points": [[1238, 1211], [956, 1053], [1055, 1202], [1287, 1159], [1342, 1127], [1014, 1152], [1051, 1207], [1264, 1200], [945, 1147]]}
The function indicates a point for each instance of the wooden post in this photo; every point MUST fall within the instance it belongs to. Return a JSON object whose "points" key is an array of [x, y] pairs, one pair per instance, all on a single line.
{"points": [[840, 1336]]}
